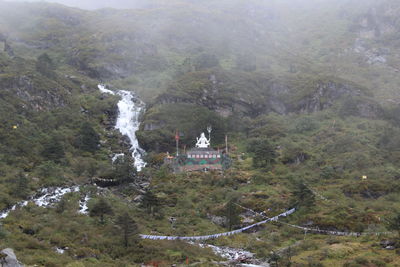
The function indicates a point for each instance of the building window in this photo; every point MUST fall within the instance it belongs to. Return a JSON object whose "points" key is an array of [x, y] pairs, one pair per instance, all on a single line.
{"points": [[219, 156]]}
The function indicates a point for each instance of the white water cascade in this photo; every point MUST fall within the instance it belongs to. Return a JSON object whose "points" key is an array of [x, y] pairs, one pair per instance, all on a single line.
{"points": [[46, 197], [130, 108], [235, 255]]}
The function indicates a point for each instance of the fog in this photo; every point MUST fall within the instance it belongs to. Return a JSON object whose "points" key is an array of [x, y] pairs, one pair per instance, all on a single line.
{"points": [[95, 4], [129, 4]]}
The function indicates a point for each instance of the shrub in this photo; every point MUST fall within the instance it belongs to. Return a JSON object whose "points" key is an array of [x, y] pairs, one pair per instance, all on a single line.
{"points": [[305, 124], [87, 138], [263, 151]]}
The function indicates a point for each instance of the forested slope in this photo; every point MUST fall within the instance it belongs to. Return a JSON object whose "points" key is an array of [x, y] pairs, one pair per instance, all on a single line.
{"points": [[307, 94]]}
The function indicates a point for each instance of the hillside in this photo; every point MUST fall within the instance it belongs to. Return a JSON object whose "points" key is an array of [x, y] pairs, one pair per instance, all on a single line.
{"points": [[307, 94]]}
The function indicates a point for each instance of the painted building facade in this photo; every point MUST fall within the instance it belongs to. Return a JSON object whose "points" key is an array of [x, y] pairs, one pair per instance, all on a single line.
{"points": [[201, 158]]}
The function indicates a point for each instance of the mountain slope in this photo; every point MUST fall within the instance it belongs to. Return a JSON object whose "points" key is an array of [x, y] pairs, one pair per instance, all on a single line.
{"points": [[300, 89]]}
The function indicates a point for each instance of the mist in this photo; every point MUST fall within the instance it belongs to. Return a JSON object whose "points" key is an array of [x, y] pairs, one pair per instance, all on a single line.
{"points": [[93, 4], [175, 119], [133, 4]]}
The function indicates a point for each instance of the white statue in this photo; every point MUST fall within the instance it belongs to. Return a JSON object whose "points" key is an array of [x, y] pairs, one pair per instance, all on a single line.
{"points": [[202, 142]]}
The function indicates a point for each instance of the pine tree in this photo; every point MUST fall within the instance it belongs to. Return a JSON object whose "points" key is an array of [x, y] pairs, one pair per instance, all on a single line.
{"points": [[45, 65], [263, 150], [62, 205], [101, 208], [53, 150], [87, 139], [394, 223], [274, 259], [22, 186], [303, 196], [150, 202], [231, 213], [124, 172], [127, 226]]}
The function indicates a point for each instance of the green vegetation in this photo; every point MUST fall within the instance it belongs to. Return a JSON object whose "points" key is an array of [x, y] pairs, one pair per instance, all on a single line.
{"points": [[314, 127], [101, 208], [231, 212]]}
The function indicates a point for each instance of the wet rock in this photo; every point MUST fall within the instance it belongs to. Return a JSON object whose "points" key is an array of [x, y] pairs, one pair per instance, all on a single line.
{"points": [[138, 199], [8, 258], [325, 95], [218, 220], [153, 126], [33, 96], [388, 244]]}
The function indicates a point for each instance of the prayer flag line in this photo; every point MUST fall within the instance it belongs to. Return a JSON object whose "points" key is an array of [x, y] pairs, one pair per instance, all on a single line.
{"points": [[206, 237]]}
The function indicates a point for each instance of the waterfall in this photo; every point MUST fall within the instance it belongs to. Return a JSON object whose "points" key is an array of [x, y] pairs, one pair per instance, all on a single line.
{"points": [[47, 197], [130, 107]]}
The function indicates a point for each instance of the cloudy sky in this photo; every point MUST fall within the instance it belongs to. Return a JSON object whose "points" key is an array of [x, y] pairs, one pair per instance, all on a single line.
{"points": [[93, 4]]}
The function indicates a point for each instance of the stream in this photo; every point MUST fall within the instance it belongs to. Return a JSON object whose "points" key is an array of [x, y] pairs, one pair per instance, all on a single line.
{"points": [[48, 197], [130, 107], [235, 257]]}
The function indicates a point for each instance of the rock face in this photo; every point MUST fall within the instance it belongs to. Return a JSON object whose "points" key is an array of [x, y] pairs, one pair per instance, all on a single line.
{"points": [[253, 96], [376, 31], [325, 95], [8, 258], [378, 21], [218, 220], [37, 98]]}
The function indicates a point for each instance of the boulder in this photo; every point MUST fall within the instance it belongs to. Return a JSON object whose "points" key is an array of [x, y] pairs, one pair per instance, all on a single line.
{"points": [[218, 220], [8, 258]]}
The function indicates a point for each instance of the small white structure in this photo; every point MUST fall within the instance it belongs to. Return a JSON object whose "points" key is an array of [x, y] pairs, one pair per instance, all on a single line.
{"points": [[202, 142]]}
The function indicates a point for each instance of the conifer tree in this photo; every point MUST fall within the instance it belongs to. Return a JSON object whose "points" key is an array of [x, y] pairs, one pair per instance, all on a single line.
{"points": [[101, 208], [87, 138], [22, 186], [263, 150], [123, 170], [45, 65], [274, 259], [231, 213], [127, 226], [62, 205], [303, 196], [150, 202], [394, 223], [53, 150]]}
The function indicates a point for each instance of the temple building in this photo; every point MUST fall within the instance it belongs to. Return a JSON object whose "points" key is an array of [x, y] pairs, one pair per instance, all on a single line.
{"points": [[201, 158]]}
